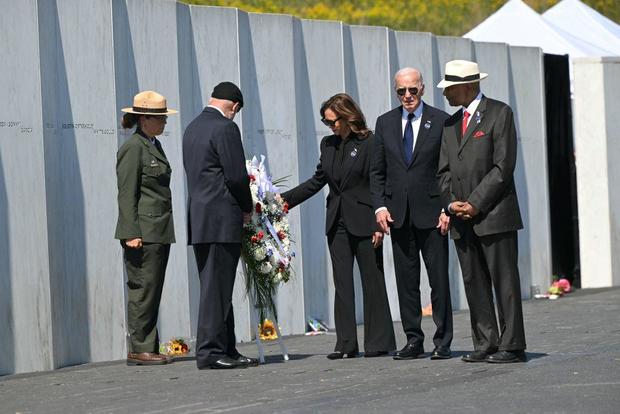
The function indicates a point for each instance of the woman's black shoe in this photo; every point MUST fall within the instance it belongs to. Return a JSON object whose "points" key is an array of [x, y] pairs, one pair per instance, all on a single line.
{"points": [[374, 354], [340, 355]]}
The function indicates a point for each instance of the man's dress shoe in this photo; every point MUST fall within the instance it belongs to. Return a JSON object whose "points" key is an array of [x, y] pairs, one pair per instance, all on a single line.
{"points": [[224, 363], [505, 357], [146, 358], [340, 355], [250, 362], [441, 353], [476, 356], [410, 351], [374, 354]]}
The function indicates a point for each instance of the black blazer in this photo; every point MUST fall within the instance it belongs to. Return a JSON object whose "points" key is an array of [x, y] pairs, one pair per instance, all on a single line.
{"points": [[480, 169], [393, 183], [217, 180], [353, 193]]}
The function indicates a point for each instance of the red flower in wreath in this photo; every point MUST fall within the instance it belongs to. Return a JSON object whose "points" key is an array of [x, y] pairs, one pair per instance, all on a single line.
{"points": [[281, 235], [285, 208], [258, 208]]}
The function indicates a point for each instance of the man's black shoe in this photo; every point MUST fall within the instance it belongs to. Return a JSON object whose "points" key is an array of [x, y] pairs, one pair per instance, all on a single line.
{"points": [[410, 351], [441, 353], [224, 363], [250, 362], [476, 356], [506, 357]]}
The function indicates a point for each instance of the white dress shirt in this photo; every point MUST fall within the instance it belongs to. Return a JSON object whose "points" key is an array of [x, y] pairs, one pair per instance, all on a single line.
{"points": [[471, 108]]}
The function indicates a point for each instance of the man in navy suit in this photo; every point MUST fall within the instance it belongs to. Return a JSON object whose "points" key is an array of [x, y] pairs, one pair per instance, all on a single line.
{"points": [[219, 201], [405, 195]]}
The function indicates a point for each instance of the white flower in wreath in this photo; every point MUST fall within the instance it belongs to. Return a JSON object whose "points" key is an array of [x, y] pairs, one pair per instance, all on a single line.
{"points": [[273, 259], [260, 253], [265, 268]]}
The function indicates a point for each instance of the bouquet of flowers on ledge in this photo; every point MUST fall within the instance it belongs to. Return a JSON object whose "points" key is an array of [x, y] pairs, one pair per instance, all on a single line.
{"points": [[175, 347], [266, 242]]}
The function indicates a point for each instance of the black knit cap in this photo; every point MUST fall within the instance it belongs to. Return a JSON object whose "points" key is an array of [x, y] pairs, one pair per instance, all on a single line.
{"points": [[228, 91]]}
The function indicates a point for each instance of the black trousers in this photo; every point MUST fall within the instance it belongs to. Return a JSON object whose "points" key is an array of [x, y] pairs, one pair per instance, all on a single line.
{"points": [[489, 263], [378, 327], [217, 268], [407, 243], [146, 269]]}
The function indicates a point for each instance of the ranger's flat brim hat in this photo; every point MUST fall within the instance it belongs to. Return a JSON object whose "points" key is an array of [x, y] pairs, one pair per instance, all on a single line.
{"points": [[149, 103], [459, 72]]}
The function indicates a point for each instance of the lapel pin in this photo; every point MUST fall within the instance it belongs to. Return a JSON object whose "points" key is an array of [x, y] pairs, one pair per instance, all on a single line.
{"points": [[153, 163], [354, 152], [427, 125], [478, 117]]}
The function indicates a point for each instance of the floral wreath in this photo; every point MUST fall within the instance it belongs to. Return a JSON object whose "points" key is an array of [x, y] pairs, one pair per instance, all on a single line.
{"points": [[266, 241]]}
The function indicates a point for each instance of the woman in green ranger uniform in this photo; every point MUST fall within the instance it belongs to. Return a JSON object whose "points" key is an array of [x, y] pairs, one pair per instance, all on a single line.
{"points": [[145, 228]]}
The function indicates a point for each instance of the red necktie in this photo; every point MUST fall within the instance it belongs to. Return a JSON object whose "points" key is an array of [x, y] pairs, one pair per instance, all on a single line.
{"points": [[464, 125]]}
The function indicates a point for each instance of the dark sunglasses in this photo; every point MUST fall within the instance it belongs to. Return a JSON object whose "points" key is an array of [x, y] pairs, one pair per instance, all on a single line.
{"points": [[330, 123], [403, 91]]}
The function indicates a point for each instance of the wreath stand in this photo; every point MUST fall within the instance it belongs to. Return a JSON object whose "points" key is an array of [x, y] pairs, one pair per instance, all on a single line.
{"points": [[259, 343]]}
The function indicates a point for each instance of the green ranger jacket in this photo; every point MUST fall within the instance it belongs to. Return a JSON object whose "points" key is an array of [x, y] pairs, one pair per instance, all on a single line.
{"points": [[144, 197]]}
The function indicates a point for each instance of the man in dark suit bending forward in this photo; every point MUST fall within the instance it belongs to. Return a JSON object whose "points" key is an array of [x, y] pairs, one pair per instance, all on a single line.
{"points": [[219, 197]]}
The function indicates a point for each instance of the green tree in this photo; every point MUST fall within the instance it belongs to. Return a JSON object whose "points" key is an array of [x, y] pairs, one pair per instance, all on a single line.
{"points": [[442, 17]]}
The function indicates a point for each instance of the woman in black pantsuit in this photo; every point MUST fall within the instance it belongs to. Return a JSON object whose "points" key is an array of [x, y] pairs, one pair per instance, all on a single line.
{"points": [[350, 228]]}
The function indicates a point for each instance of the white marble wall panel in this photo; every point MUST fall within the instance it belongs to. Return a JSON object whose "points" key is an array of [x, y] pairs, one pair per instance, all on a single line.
{"points": [[147, 57], [492, 58], [215, 57], [414, 49], [597, 121], [80, 144], [611, 73], [449, 48], [270, 128], [316, 43], [527, 91], [25, 324]]}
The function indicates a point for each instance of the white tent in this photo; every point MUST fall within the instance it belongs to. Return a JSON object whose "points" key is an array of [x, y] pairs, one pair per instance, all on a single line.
{"points": [[586, 24], [518, 24]]}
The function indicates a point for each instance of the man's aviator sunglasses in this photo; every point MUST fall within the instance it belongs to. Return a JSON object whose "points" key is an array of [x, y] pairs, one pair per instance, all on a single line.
{"points": [[403, 91]]}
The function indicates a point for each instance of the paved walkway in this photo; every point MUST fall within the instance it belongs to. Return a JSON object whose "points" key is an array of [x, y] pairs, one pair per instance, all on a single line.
{"points": [[574, 367]]}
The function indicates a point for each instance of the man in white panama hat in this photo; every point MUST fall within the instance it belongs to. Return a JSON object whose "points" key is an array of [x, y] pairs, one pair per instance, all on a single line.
{"points": [[476, 166]]}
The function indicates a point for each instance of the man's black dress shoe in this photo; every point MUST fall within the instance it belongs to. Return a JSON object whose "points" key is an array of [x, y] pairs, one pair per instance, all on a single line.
{"points": [[476, 356], [410, 351], [340, 355], [506, 357], [374, 354], [224, 363], [250, 362], [441, 353]]}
